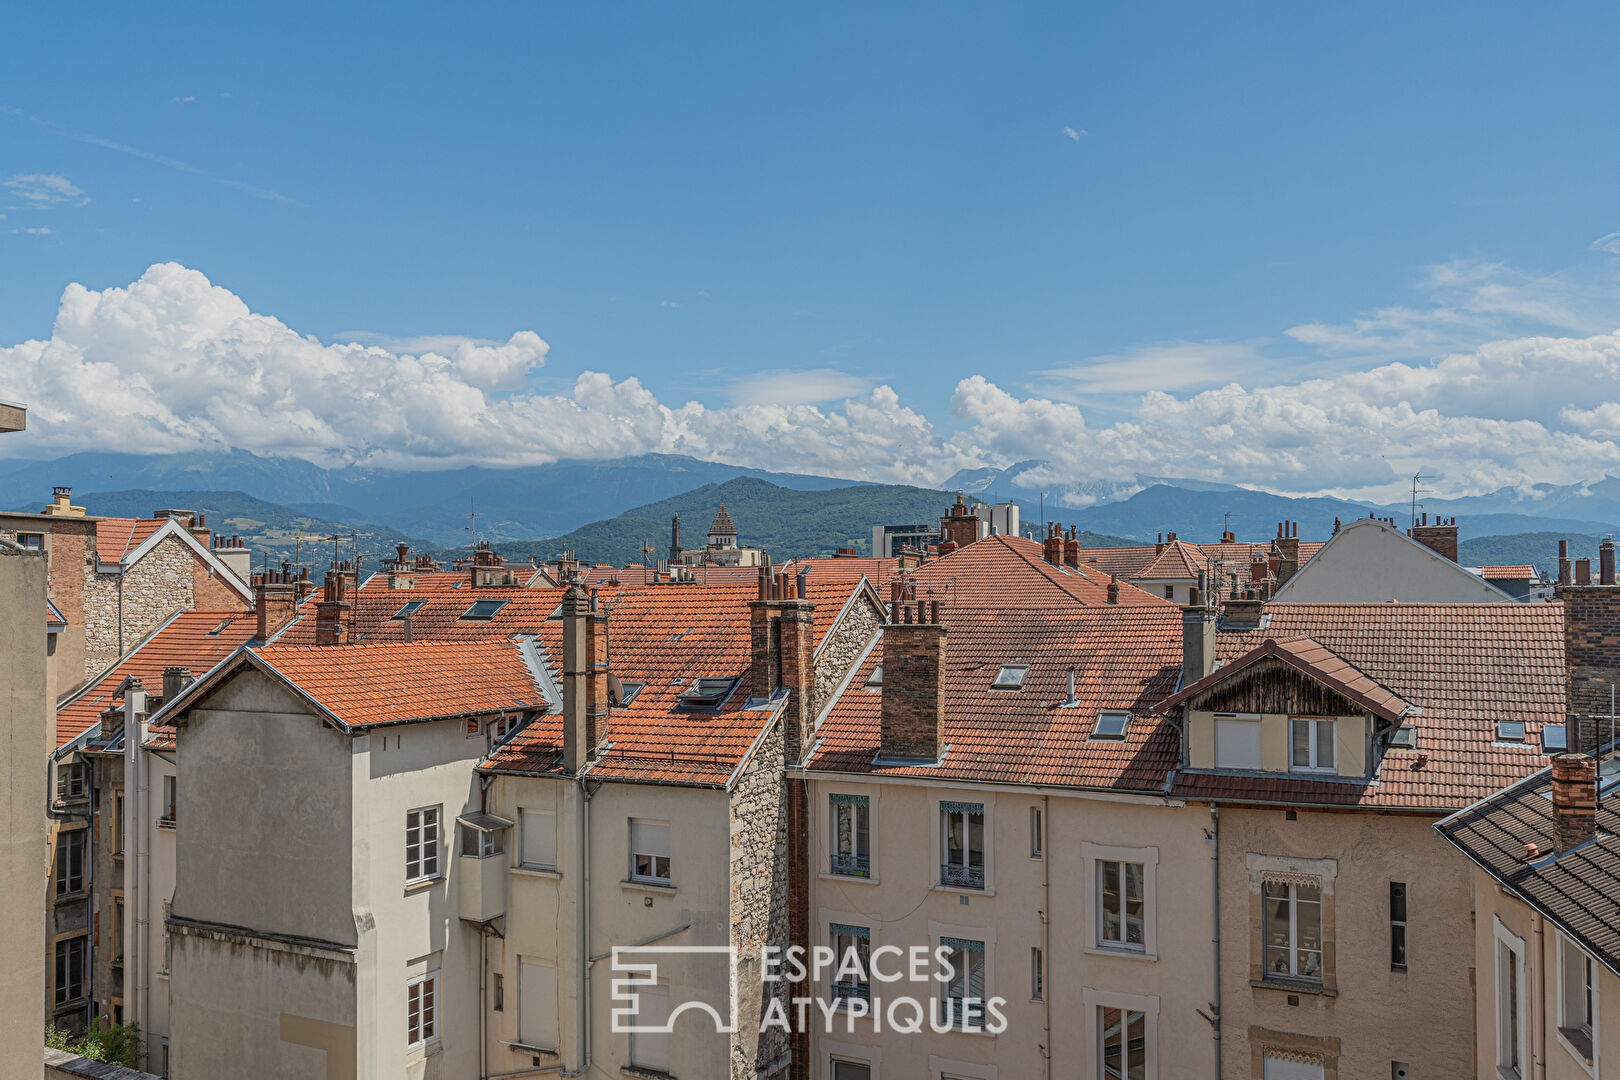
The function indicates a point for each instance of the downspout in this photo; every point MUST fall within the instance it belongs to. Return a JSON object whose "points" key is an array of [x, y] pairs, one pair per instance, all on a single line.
{"points": [[1046, 928], [582, 927], [1538, 1052], [483, 985], [135, 825], [1215, 922]]}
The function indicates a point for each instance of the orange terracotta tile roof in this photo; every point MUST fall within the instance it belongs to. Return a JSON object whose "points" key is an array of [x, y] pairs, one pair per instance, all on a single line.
{"points": [[1124, 562], [1125, 657], [367, 685], [1508, 573], [1008, 571], [1130, 562], [1179, 560], [194, 639], [441, 615], [117, 537], [845, 568], [1466, 666], [54, 616], [1313, 659]]}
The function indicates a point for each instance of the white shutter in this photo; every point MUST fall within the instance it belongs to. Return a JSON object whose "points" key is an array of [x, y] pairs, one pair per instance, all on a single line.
{"points": [[537, 1004], [1237, 743], [649, 838], [1283, 1069], [539, 838], [650, 1049]]}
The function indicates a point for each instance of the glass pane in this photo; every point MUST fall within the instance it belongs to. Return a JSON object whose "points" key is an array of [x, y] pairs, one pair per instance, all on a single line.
{"points": [[1136, 1046], [1302, 743], [1111, 1039], [844, 828], [954, 838], [1324, 743], [1111, 909], [975, 840]]}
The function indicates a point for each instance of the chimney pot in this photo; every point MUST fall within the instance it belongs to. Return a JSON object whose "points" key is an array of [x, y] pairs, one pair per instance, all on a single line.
{"points": [[175, 679], [1113, 589], [1583, 571], [1606, 562]]}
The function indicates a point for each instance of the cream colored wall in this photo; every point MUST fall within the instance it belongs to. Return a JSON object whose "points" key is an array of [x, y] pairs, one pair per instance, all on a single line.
{"points": [[25, 719], [901, 909], [1379, 1016], [160, 846], [1370, 562], [542, 912], [1276, 748]]}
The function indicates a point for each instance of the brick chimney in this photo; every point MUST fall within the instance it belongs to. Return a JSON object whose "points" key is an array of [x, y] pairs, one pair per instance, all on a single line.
{"points": [[1071, 549], [585, 679], [1583, 571], [1197, 640], [275, 601], [1565, 575], [765, 658], [1591, 656], [1574, 799], [1606, 562], [1287, 546], [332, 610], [959, 527], [1052, 546], [1440, 537], [175, 679], [796, 643], [909, 558], [1113, 589], [913, 705], [1242, 613]]}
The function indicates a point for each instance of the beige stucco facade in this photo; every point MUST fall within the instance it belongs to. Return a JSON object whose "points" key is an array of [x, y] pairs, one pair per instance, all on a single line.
{"points": [[1049, 903], [1369, 560]]}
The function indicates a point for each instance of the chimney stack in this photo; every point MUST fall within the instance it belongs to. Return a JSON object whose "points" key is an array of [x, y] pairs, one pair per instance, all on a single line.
{"points": [[1583, 571], [1565, 576], [796, 667], [1197, 641], [175, 679], [1574, 799], [1071, 549], [1606, 562], [1287, 546], [62, 504], [1113, 589], [1439, 537], [275, 601], [1052, 546], [959, 527], [585, 679], [913, 696]]}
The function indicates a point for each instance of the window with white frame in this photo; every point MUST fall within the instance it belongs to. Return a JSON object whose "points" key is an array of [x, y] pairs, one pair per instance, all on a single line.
{"points": [[1293, 929], [1037, 833], [851, 834], [650, 1049], [649, 851], [1311, 740], [421, 1009], [852, 958], [482, 843], [962, 1001], [538, 835], [1577, 996], [422, 862], [31, 541], [1121, 1043], [70, 849], [1121, 898], [961, 844], [169, 787], [537, 1004], [1111, 724], [1510, 1010], [71, 777], [1237, 741]]}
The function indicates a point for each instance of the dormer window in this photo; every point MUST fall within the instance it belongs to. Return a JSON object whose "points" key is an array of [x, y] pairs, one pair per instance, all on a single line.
{"points": [[706, 693], [410, 609], [1510, 731], [1111, 724], [483, 609], [1404, 737], [1010, 677], [1554, 738], [1312, 744]]}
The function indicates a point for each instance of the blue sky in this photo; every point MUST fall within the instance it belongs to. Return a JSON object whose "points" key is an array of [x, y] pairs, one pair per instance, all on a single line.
{"points": [[783, 206]]}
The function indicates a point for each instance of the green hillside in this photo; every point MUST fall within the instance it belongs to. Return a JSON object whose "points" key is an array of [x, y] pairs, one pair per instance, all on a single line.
{"points": [[783, 521], [1539, 549]]}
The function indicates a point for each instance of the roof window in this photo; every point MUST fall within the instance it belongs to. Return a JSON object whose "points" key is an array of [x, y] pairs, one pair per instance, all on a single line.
{"points": [[483, 609], [874, 681], [706, 693], [1010, 677], [1554, 737], [1404, 737], [621, 693], [220, 629], [1111, 724], [1510, 731], [411, 608]]}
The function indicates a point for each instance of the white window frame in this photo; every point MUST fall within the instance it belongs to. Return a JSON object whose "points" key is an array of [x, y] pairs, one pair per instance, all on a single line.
{"points": [[1313, 744], [840, 991], [1092, 856], [536, 817], [1591, 981], [420, 814], [984, 935], [1122, 716], [1505, 939], [1094, 1002], [1294, 903], [72, 781], [653, 878], [848, 1053], [942, 846], [1037, 833], [836, 801], [1237, 718], [420, 1032]]}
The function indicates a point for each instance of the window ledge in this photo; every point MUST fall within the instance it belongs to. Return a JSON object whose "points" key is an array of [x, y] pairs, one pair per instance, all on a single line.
{"points": [[421, 883], [631, 885], [1123, 954], [1509, 1074], [70, 897], [855, 878], [527, 1048], [645, 1074], [1578, 1045], [1294, 986], [963, 890], [537, 872]]}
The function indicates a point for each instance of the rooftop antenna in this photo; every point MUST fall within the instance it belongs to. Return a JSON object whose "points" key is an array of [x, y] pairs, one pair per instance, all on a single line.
{"points": [[472, 521], [1416, 477], [646, 557], [1226, 521]]}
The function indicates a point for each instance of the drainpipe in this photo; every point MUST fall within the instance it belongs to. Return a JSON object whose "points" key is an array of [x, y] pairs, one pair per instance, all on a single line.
{"points": [[1215, 922], [1538, 1052], [1046, 921], [582, 925], [134, 826]]}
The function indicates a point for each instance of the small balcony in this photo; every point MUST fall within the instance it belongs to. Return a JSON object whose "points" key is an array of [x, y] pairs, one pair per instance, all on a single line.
{"points": [[852, 865], [961, 877], [482, 866]]}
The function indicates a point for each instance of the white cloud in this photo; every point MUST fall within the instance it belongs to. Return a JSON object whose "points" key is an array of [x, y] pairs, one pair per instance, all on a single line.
{"points": [[1174, 365], [1075, 134], [782, 387], [36, 230], [187, 100], [43, 191], [1609, 244]]}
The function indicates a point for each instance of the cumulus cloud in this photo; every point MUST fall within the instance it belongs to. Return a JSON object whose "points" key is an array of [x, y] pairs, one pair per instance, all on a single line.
{"points": [[1175, 365], [783, 387], [1075, 133], [43, 191]]}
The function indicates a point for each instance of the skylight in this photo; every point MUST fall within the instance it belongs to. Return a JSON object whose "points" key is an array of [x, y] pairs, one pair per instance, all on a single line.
{"points": [[1510, 731], [706, 693], [874, 681], [622, 693], [1554, 738], [220, 629], [1111, 725], [1404, 736], [1010, 677], [410, 609], [483, 609]]}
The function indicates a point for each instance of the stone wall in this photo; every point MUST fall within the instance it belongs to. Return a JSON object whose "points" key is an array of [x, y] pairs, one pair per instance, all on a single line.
{"points": [[121, 610], [843, 646], [759, 901]]}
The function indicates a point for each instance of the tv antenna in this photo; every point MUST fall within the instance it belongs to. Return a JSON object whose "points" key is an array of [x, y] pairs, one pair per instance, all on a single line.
{"points": [[472, 521], [1416, 478], [1226, 521]]}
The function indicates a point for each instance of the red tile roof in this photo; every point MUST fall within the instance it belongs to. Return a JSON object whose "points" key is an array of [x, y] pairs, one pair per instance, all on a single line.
{"points": [[1508, 573], [1314, 660], [1125, 657], [845, 568], [117, 537], [1008, 571], [1466, 666], [1179, 560], [367, 685], [194, 639]]}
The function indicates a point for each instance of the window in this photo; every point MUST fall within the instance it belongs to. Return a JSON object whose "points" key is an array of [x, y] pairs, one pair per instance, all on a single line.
{"points": [[1554, 738], [481, 843], [851, 835], [874, 681], [1312, 742], [1404, 736], [537, 1005], [649, 851], [422, 844], [706, 693], [539, 838], [1121, 1043], [1121, 897], [1111, 725], [1237, 741], [1397, 926], [483, 609], [421, 1012], [1577, 996], [1169, 592], [31, 541], [1010, 677], [117, 824], [1510, 731], [411, 608], [1510, 1011], [70, 970], [1037, 975], [1289, 1068], [118, 930], [962, 1002], [851, 1070], [472, 727], [1037, 833], [962, 844], [497, 992], [852, 953], [1293, 930], [70, 848], [650, 1049], [70, 781], [168, 817]]}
